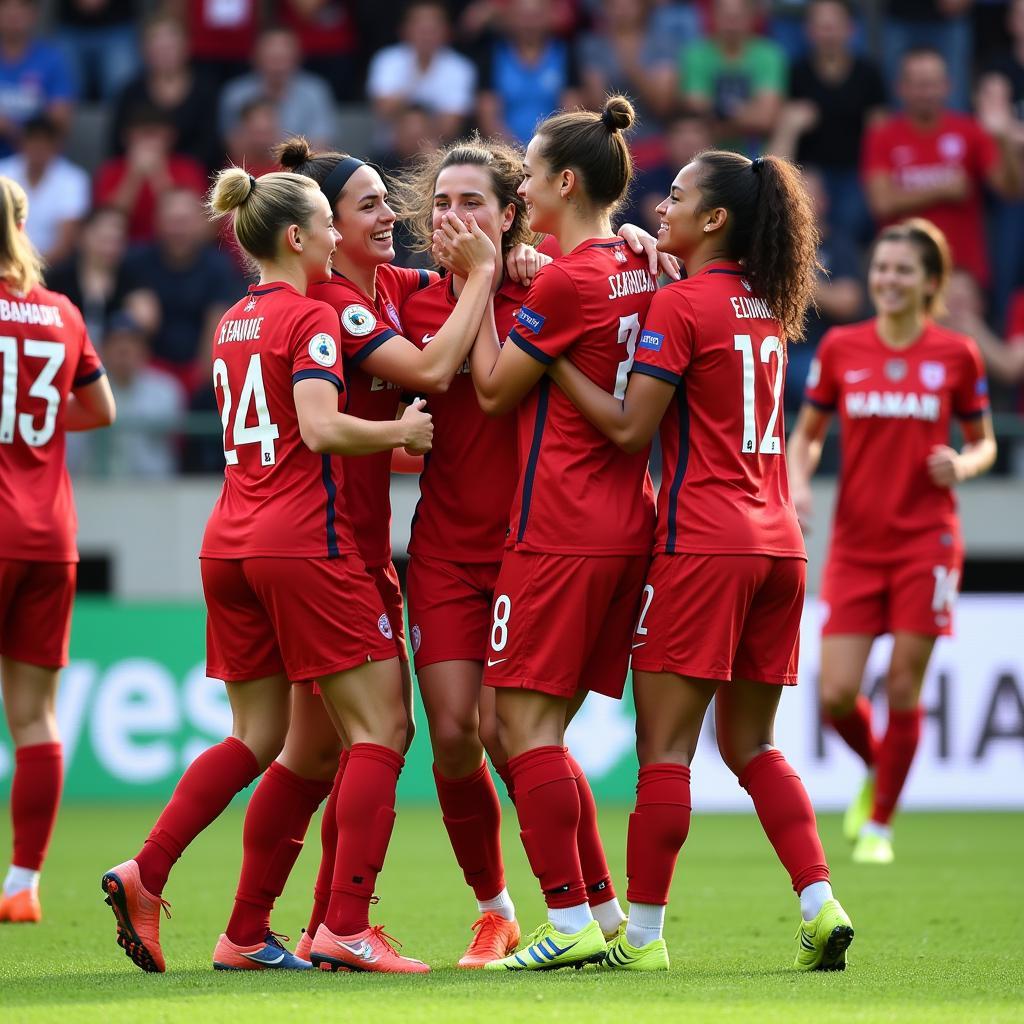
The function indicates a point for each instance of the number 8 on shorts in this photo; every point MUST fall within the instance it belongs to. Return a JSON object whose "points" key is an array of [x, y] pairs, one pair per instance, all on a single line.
{"points": [[499, 628]]}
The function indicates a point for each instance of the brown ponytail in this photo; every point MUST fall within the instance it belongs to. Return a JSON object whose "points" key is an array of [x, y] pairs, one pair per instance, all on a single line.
{"points": [[20, 265]]}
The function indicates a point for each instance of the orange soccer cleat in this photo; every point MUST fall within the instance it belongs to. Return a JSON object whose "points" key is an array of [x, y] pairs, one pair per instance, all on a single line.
{"points": [[138, 916], [369, 950], [496, 937], [269, 955], [21, 908], [304, 945]]}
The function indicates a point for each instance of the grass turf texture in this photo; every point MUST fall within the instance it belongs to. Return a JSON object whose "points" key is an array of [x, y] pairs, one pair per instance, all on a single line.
{"points": [[938, 933]]}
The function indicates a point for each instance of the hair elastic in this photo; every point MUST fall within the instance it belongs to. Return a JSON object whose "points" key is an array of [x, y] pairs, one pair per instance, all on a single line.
{"points": [[607, 119], [756, 164], [338, 178], [252, 184]]}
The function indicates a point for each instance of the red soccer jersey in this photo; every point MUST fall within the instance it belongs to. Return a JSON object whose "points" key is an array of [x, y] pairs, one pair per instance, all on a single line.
{"points": [[470, 475], [45, 353], [724, 487], [365, 325], [579, 494], [913, 158], [1015, 332], [894, 407], [279, 498]]}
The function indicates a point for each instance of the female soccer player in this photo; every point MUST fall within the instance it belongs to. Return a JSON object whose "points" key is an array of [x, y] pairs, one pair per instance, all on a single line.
{"points": [[52, 383], [896, 555], [721, 608], [581, 521], [287, 595]]}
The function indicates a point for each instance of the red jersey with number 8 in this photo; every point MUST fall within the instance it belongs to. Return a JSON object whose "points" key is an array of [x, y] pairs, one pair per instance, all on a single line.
{"points": [[280, 498], [724, 487]]}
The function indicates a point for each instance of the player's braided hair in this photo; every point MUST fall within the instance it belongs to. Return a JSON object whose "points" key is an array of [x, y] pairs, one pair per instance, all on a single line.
{"points": [[20, 265], [771, 228], [932, 247]]}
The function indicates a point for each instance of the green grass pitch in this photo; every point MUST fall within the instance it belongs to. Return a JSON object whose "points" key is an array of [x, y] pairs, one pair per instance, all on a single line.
{"points": [[939, 934]]}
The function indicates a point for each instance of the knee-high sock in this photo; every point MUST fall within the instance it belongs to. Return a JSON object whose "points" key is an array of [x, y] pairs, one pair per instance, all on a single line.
{"points": [[895, 756], [366, 816], [548, 805], [855, 728], [35, 797], [657, 830], [786, 816], [472, 816], [596, 876], [200, 797], [328, 849], [275, 826]]}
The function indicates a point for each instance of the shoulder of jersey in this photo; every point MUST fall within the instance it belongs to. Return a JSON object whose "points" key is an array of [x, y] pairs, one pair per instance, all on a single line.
{"points": [[954, 338], [844, 334], [44, 296]]}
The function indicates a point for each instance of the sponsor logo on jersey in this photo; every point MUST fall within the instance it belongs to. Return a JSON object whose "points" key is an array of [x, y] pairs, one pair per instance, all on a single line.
{"points": [[856, 376], [384, 625], [529, 319], [323, 349], [892, 405], [933, 375], [251, 304], [895, 369], [651, 340], [416, 635], [358, 320]]}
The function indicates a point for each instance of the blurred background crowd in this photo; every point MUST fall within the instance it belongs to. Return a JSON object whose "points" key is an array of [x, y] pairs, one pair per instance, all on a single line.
{"points": [[114, 113]]}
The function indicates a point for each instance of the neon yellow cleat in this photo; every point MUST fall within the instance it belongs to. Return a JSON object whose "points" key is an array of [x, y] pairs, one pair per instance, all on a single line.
{"points": [[823, 942], [859, 811], [622, 956], [548, 950], [872, 848]]}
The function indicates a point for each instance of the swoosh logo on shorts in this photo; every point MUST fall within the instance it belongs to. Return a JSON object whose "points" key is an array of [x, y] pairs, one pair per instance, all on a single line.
{"points": [[642, 642], [491, 662]]}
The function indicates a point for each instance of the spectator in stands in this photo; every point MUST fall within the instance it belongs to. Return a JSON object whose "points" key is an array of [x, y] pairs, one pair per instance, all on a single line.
{"points": [[57, 190], [34, 77], [169, 83], [221, 35], [525, 73], [422, 69], [833, 95], [735, 76], [193, 281], [256, 133], [148, 168], [929, 161], [328, 39], [101, 44], [305, 104]]}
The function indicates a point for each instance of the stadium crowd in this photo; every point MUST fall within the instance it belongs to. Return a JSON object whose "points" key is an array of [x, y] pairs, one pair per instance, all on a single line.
{"points": [[917, 112]]}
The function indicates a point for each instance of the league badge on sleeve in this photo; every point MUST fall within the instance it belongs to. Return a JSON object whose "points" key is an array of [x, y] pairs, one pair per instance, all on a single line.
{"points": [[530, 320], [651, 340], [323, 349], [358, 320]]}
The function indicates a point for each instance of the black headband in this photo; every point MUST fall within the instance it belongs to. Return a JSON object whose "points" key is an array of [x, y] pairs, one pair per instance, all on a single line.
{"points": [[338, 178]]}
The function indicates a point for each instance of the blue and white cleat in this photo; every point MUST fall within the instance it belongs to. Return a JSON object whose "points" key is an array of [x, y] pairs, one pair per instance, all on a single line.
{"points": [[269, 955]]}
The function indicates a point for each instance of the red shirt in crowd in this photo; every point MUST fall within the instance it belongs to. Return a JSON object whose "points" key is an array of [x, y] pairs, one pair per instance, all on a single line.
{"points": [[222, 30]]}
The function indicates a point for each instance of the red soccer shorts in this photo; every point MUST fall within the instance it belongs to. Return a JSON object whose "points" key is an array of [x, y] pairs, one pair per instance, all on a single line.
{"points": [[305, 617], [912, 597], [449, 609], [390, 590], [562, 623], [722, 617], [35, 611]]}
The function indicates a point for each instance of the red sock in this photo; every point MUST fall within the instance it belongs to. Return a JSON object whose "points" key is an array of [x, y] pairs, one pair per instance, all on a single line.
{"points": [[200, 797], [275, 825], [366, 816], [328, 848], [895, 756], [506, 777], [35, 797], [596, 876], [786, 816], [657, 831], [548, 804], [472, 816], [855, 728]]}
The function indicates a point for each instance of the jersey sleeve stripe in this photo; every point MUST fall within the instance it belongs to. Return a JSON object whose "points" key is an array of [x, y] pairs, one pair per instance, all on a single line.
{"points": [[88, 378], [530, 350], [823, 406], [371, 346], [682, 458], [326, 375], [531, 463], [971, 414], [424, 279], [656, 371], [332, 493]]}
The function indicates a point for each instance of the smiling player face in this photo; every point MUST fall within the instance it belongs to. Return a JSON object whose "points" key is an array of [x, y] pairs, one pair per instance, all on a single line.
{"points": [[897, 281], [319, 240], [682, 213], [541, 190], [365, 220], [464, 189]]}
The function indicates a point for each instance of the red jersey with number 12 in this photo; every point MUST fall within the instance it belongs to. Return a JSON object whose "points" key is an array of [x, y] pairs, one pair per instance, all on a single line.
{"points": [[724, 487]]}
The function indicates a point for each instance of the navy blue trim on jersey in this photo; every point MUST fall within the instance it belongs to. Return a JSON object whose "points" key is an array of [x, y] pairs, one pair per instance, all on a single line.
{"points": [[607, 245], [371, 346], [683, 457], [823, 406], [332, 493], [89, 378], [726, 270], [531, 462], [268, 290], [419, 500], [424, 279], [332, 378], [975, 415], [656, 371], [530, 349]]}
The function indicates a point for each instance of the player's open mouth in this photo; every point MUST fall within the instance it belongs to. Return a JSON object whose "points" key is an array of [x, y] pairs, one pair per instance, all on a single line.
{"points": [[381, 236]]}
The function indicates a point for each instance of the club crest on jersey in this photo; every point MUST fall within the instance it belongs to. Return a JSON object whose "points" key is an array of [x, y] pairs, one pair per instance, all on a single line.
{"points": [[323, 349], [416, 635], [529, 319], [746, 284], [393, 316], [384, 625], [895, 369], [358, 320], [651, 340], [933, 375], [620, 256], [250, 305]]}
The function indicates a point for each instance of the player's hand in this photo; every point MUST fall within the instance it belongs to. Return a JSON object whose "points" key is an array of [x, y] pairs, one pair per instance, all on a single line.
{"points": [[419, 428], [463, 247], [643, 243], [945, 466], [803, 502], [523, 262]]}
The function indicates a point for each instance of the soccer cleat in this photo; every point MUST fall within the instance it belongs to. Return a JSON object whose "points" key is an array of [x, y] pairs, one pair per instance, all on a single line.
{"points": [[304, 945], [21, 908], [495, 938], [623, 956], [370, 950], [823, 942], [872, 848], [548, 950], [138, 916], [269, 955], [859, 811]]}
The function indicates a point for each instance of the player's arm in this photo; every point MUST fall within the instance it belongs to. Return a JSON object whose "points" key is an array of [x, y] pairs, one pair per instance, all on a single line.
{"points": [[887, 199], [948, 467], [803, 455], [90, 406], [502, 374], [643, 243]]}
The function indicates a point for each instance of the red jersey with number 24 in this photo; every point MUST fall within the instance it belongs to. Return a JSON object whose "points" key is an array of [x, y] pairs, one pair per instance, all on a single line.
{"points": [[578, 493], [280, 499], [724, 487]]}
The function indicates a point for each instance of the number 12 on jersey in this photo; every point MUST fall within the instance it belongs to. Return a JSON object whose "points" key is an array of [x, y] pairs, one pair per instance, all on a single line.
{"points": [[253, 394], [771, 443]]}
